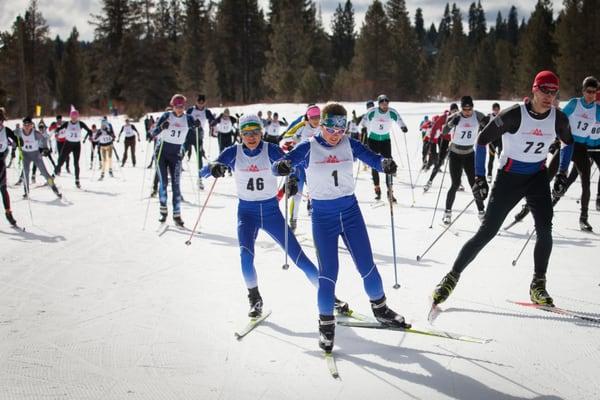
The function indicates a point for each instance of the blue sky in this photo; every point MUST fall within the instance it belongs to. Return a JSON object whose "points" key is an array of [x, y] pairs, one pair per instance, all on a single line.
{"points": [[62, 15]]}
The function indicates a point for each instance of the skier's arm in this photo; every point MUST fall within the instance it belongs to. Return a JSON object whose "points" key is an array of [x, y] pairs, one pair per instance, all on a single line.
{"points": [[299, 156], [399, 120], [365, 155], [563, 130], [157, 127], [11, 134], [120, 132], [83, 126], [227, 157], [136, 131]]}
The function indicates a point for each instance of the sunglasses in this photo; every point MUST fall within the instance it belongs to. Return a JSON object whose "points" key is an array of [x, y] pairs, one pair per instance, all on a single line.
{"points": [[384, 101], [467, 109], [547, 90], [335, 131], [253, 132]]}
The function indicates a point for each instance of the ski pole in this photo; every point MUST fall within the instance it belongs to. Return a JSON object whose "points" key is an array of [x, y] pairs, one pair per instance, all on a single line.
{"points": [[412, 187], [420, 257], [189, 241], [388, 179], [514, 262], [439, 193], [286, 227], [144, 174], [160, 181], [357, 172], [398, 151]]}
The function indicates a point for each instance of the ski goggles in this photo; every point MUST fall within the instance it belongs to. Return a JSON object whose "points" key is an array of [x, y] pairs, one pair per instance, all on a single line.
{"points": [[334, 124], [251, 132]]}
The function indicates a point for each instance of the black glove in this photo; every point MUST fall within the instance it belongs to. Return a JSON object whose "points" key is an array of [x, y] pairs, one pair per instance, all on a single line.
{"points": [[404, 129], [389, 166], [284, 167], [217, 169], [292, 186], [164, 125], [196, 123], [455, 120], [480, 188], [560, 185]]}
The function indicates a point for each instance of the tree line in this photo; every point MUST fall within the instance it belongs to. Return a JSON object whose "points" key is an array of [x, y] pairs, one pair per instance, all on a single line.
{"points": [[145, 50]]}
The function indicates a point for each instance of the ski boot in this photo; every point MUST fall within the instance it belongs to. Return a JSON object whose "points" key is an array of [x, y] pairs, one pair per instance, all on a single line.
{"points": [[538, 293], [110, 173], [91, 165], [154, 193], [427, 186], [55, 190], [326, 332], [256, 303], [101, 176], [178, 221], [391, 196], [342, 307], [377, 193], [163, 214], [583, 222], [200, 184], [32, 178], [386, 316], [447, 219], [9, 217], [293, 224], [443, 290], [78, 184]]}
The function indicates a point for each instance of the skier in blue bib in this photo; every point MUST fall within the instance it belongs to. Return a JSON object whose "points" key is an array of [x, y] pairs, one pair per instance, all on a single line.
{"points": [[258, 207], [328, 160]]}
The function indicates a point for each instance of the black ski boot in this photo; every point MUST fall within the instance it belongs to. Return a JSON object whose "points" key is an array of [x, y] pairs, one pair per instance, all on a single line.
{"points": [[256, 303], [390, 195], [78, 184], [377, 193], [583, 222], [110, 173], [522, 214], [342, 307], [326, 332], [163, 214], [178, 221], [101, 176], [11, 220], [387, 316], [55, 190], [538, 293], [293, 224], [154, 193], [443, 290]]}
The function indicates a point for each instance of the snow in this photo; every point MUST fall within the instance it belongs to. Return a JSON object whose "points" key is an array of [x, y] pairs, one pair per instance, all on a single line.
{"points": [[94, 307]]}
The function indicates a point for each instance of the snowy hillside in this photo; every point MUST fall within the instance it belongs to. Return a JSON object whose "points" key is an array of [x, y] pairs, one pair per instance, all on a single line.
{"points": [[94, 307]]}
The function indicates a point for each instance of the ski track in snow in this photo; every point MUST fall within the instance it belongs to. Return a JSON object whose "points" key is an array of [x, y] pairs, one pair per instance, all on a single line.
{"points": [[94, 307]]}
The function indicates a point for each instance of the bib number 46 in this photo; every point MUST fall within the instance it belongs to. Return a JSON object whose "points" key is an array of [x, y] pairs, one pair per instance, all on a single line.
{"points": [[255, 184]]}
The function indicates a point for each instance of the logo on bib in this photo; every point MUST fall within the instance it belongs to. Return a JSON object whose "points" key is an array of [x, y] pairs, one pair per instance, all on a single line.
{"points": [[537, 132], [467, 125], [252, 168], [584, 116]]}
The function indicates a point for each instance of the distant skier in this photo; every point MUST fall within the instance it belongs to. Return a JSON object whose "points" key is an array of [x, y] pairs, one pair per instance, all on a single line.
{"points": [[5, 134], [130, 133], [72, 131]]}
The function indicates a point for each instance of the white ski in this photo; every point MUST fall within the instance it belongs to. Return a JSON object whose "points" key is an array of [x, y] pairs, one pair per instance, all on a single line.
{"points": [[254, 322]]}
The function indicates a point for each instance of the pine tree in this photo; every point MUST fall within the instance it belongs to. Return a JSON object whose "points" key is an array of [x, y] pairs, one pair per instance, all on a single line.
{"points": [[512, 26], [195, 33], [343, 37], [71, 74], [477, 24], [420, 26], [404, 49], [451, 70], [537, 46], [372, 63]]}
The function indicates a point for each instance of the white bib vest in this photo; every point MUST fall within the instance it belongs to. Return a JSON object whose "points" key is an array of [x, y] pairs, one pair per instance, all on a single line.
{"points": [[273, 129], [582, 121], [465, 132], [253, 176], [305, 133], [531, 141], [177, 130], [128, 130], [104, 137], [30, 143], [329, 173], [73, 132], [225, 125], [3, 140]]}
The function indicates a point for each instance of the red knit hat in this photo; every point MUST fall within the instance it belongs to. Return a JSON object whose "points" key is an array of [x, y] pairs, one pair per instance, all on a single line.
{"points": [[548, 79]]}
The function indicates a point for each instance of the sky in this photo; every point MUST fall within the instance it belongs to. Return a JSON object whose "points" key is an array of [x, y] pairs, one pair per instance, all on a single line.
{"points": [[62, 15]]}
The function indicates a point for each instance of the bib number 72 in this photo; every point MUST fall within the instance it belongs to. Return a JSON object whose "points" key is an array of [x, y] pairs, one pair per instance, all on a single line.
{"points": [[538, 147]]}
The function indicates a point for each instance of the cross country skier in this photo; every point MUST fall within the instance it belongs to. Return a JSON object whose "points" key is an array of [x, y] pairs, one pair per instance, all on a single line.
{"points": [[130, 133], [328, 159], [29, 145], [272, 129], [5, 134], [45, 148], [527, 130], [495, 148], [72, 130], [442, 140], [379, 121], [173, 128], [60, 138], [302, 130], [258, 207], [205, 117], [95, 148], [105, 138], [465, 126]]}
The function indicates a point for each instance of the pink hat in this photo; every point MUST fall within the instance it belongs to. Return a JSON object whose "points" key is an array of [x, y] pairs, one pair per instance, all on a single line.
{"points": [[547, 79], [74, 114], [313, 111], [178, 100]]}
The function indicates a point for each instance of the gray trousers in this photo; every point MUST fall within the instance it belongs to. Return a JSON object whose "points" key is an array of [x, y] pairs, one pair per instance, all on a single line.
{"points": [[36, 158]]}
